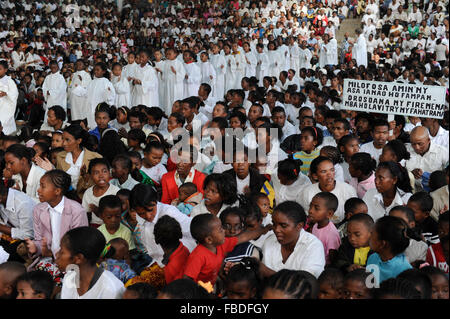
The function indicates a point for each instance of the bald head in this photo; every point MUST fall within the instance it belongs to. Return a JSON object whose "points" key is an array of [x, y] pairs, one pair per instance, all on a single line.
{"points": [[420, 140]]}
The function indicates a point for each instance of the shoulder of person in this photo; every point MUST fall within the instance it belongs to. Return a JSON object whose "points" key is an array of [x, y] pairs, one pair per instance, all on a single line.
{"points": [[89, 155]]}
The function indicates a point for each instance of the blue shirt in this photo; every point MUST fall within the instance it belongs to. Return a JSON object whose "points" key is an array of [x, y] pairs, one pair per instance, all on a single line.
{"points": [[97, 134], [388, 269]]}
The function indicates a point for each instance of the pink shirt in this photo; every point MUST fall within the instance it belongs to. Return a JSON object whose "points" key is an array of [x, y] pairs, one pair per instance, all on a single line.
{"points": [[364, 186], [329, 236]]}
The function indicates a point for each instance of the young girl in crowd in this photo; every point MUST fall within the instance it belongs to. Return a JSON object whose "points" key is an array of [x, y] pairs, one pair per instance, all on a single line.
{"points": [[355, 286], [99, 170], [396, 151], [331, 282], [291, 284], [116, 258], [288, 180], [392, 188], [389, 242], [35, 284], [361, 168], [53, 217], [152, 166], [219, 192], [136, 170], [439, 282], [121, 120], [310, 139], [348, 146], [121, 86], [18, 162], [135, 139], [83, 247]]}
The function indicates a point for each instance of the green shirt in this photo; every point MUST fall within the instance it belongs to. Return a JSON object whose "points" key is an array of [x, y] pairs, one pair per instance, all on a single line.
{"points": [[306, 159], [122, 232]]}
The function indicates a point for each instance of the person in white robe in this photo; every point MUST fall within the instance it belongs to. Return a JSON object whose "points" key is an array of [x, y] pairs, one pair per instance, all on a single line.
{"points": [[99, 90], [121, 86], [208, 72], [54, 89], [77, 91], [230, 74], [332, 52], [294, 53], [129, 70], [145, 83], [173, 75], [193, 77], [305, 56], [274, 59], [219, 64], [8, 100], [250, 59], [360, 49], [159, 66], [240, 66], [262, 64]]}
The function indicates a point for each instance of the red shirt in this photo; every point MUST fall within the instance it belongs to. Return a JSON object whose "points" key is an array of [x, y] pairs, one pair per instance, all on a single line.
{"points": [[175, 267], [204, 265], [170, 188], [436, 258]]}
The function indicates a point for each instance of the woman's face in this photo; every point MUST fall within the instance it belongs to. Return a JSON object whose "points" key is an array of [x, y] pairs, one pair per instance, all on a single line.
{"points": [[14, 164], [325, 174], [384, 181], [285, 229], [351, 148], [64, 257], [241, 165], [70, 144]]}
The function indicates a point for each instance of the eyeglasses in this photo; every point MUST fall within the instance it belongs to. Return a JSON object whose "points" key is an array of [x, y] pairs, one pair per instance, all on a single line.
{"points": [[231, 227]]}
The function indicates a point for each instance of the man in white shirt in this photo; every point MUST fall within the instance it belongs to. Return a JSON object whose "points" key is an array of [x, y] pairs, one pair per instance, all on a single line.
{"points": [[438, 134], [380, 134], [426, 156]]}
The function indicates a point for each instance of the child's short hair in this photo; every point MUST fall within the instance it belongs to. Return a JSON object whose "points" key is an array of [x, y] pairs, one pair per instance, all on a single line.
{"points": [[363, 162], [143, 290], [293, 210], [297, 284], [124, 192], [179, 118], [87, 241], [352, 203], [246, 270], [332, 276], [357, 275], [143, 195], [437, 180], [331, 201], [418, 279], [200, 227], [189, 187], [226, 186], [109, 201], [393, 231], [167, 232], [237, 211], [257, 196], [153, 145], [98, 161], [40, 281], [12, 270], [137, 135], [366, 219], [124, 160], [424, 200], [408, 212]]}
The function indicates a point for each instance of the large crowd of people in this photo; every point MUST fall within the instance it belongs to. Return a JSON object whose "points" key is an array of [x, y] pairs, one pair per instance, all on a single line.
{"points": [[198, 149]]}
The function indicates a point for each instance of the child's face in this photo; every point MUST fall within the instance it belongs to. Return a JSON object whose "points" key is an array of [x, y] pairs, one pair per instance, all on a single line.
{"points": [[327, 291], [443, 228], [154, 157], [235, 123], [264, 205], [112, 217], [219, 111], [232, 225], [132, 143], [117, 70], [148, 213], [172, 124], [24, 291], [318, 211], [212, 195], [100, 175], [305, 122], [135, 123], [137, 162], [252, 223], [387, 155], [240, 290], [439, 288], [358, 234], [359, 209], [186, 110], [419, 215], [57, 140], [118, 171], [182, 195], [355, 289], [64, 257], [121, 117], [279, 118], [47, 190], [217, 234]]}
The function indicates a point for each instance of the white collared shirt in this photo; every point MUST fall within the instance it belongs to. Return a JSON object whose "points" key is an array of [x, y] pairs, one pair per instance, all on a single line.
{"points": [[370, 148], [308, 254], [441, 137], [375, 204], [55, 221], [435, 159], [148, 238], [74, 170], [241, 183], [18, 214], [33, 181]]}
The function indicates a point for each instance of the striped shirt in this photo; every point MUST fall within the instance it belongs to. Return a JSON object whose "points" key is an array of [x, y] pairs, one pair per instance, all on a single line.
{"points": [[306, 159]]}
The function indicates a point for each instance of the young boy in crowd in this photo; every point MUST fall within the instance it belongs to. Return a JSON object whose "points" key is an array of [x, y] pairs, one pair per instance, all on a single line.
{"points": [[110, 211], [36, 284], [355, 249], [352, 207], [321, 210], [188, 198], [355, 285], [121, 168], [437, 254], [206, 259], [422, 204], [263, 202], [10, 271], [331, 282]]}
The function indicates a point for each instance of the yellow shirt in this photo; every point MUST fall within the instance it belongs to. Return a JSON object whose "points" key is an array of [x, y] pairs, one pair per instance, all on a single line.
{"points": [[361, 256], [122, 232]]}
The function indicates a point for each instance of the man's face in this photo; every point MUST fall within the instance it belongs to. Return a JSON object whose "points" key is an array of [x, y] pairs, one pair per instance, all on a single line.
{"points": [[420, 144]]}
